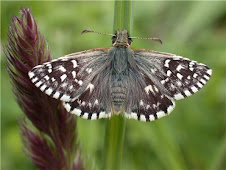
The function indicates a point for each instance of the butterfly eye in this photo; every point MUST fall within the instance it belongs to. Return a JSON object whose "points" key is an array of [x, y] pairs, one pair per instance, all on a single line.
{"points": [[130, 41], [114, 39]]}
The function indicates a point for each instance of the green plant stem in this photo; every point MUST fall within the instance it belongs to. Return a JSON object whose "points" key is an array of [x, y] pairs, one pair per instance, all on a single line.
{"points": [[115, 127], [123, 18], [114, 137]]}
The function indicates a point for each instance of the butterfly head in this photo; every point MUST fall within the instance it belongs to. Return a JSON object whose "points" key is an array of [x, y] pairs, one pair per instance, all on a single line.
{"points": [[121, 39]]}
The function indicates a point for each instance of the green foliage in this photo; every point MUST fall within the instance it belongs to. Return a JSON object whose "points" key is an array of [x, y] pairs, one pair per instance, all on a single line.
{"points": [[192, 137]]}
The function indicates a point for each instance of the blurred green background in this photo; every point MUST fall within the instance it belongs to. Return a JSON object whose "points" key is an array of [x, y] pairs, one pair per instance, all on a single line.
{"points": [[192, 137]]}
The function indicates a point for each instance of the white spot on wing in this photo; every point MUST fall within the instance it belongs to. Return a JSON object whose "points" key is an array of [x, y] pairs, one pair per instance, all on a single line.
{"points": [[179, 67], [194, 89], [76, 111], [31, 74], [149, 88], [191, 64], [71, 87], [207, 77], [147, 107], [141, 103], [178, 96], [172, 86], [94, 116], [191, 68], [46, 77], [89, 70], [209, 71], [162, 82], [56, 95], [170, 108], [179, 76], [187, 93], [73, 74], [160, 114], [85, 116], [102, 115], [65, 98], [167, 63], [74, 63], [63, 77], [195, 75], [83, 103], [34, 79], [96, 102], [90, 86], [38, 84], [63, 85], [142, 118], [49, 91], [199, 84], [67, 106], [43, 87], [80, 82], [168, 73], [151, 118], [156, 89], [61, 68], [203, 81], [179, 83]]}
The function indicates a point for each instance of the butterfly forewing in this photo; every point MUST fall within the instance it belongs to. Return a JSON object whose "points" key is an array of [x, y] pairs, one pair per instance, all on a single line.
{"points": [[80, 80], [68, 77], [175, 76]]}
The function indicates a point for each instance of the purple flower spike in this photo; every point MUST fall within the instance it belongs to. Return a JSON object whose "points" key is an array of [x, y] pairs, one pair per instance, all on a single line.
{"points": [[52, 144]]}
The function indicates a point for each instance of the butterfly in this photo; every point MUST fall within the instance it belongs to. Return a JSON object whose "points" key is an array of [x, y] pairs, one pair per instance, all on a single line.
{"points": [[141, 84]]}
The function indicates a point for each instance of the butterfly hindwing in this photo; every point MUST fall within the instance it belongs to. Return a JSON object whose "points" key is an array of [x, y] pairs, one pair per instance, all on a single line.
{"points": [[94, 102], [146, 102]]}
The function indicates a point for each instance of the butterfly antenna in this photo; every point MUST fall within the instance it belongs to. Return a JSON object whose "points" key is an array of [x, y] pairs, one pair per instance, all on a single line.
{"points": [[154, 39], [86, 31]]}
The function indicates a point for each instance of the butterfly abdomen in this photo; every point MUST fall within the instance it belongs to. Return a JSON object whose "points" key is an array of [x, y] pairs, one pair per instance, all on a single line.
{"points": [[118, 95], [119, 78]]}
